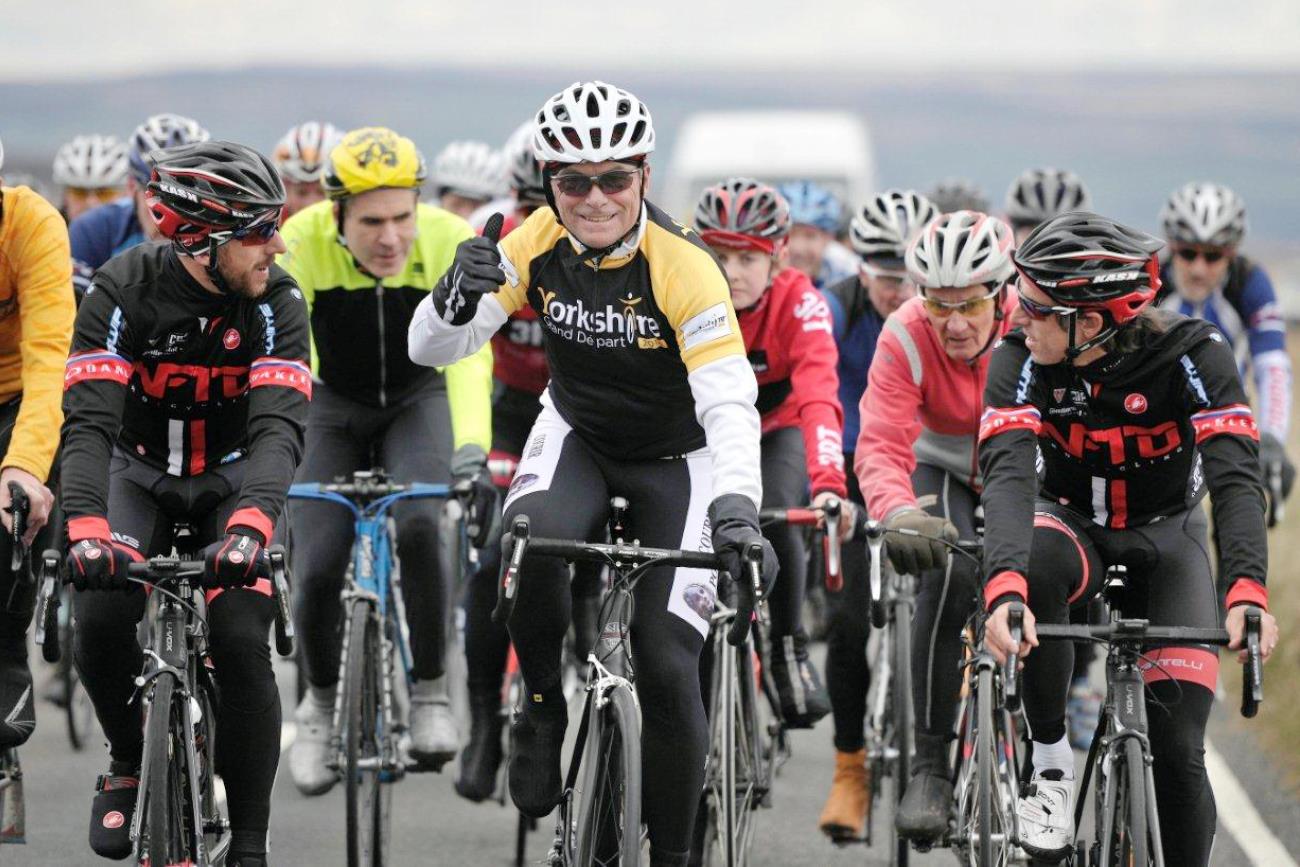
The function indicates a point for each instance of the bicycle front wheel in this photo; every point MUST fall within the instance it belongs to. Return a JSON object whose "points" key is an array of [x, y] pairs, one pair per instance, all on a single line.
{"points": [[904, 735], [609, 812], [1129, 843], [165, 796], [366, 794]]}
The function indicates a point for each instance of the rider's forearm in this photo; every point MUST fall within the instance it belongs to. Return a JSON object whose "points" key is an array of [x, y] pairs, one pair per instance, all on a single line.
{"points": [[432, 341]]}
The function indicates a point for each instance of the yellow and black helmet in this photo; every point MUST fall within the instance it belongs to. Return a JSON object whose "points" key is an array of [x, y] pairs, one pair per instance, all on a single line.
{"points": [[372, 158]]}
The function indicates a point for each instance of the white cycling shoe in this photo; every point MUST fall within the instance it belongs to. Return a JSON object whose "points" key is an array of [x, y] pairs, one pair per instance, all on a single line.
{"points": [[1046, 813], [434, 734], [309, 754]]}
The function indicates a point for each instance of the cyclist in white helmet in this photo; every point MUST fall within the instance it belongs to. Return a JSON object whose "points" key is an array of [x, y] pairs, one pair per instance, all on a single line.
{"points": [[1206, 277], [101, 233], [916, 462], [1040, 194], [467, 175], [650, 397], [92, 171], [958, 194], [300, 158]]}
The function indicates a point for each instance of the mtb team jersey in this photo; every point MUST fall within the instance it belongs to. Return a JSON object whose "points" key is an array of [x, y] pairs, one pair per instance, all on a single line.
{"points": [[36, 311], [357, 319], [857, 327], [643, 347], [1246, 311], [919, 406], [792, 351], [100, 234], [185, 380], [1128, 440]]}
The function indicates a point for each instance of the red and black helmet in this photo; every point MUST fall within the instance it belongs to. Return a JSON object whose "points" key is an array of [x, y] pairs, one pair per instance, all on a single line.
{"points": [[1091, 262], [207, 193], [743, 213]]}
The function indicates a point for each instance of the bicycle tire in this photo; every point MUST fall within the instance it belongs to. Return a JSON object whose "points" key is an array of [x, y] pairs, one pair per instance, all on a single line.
{"points": [[365, 826], [609, 813], [985, 761], [904, 735], [1132, 838], [165, 843]]}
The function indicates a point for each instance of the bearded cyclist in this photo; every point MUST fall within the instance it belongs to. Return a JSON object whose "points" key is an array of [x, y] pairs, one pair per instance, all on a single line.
{"points": [[186, 395], [35, 329], [364, 260], [1206, 277], [300, 156], [102, 233], [879, 233], [916, 462], [92, 171], [650, 398], [1107, 424]]}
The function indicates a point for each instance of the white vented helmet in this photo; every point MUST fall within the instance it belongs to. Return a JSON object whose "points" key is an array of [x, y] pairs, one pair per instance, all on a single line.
{"points": [[883, 226], [1040, 194], [91, 162], [161, 131], [302, 152], [591, 122], [472, 169], [525, 172], [964, 248], [1204, 213]]}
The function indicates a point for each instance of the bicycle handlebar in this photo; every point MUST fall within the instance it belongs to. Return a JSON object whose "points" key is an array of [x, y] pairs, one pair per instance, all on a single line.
{"points": [[826, 517]]}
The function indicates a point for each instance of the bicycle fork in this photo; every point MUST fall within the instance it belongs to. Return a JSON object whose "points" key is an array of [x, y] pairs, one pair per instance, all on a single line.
{"points": [[1127, 704]]}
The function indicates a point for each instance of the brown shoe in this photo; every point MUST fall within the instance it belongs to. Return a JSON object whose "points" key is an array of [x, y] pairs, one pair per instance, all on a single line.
{"points": [[845, 814]]}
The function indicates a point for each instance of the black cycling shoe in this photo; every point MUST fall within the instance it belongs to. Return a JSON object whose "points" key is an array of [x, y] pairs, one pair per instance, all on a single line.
{"points": [[17, 709], [923, 812], [246, 859], [481, 757], [111, 812], [535, 782], [799, 690]]}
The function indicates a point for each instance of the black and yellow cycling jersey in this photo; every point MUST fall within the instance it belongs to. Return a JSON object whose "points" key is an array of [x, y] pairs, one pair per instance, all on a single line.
{"points": [[359, 321], [623, 334]]}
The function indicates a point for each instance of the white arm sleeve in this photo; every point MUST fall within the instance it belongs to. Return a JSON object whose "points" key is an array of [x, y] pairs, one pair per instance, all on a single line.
{"points": [[725, 391], [431, 341]]}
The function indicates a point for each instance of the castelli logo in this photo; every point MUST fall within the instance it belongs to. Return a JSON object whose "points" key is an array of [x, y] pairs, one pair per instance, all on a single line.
{"points": [[92, 553], [235, 557], [1135, 403], [231, 339], [115, 819]]}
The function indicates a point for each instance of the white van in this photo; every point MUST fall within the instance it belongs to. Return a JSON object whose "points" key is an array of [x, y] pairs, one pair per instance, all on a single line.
{"points": [[832, 148]]}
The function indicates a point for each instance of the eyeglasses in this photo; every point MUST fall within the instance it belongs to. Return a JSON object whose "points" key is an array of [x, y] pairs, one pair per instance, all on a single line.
{"points": [[579, 185], [259, 233], [102, 195], [1038, 312], [969, 308], [1191, 254]]}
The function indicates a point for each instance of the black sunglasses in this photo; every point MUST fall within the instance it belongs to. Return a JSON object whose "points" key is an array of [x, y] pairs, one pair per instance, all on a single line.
{"points": [[579, 185], [1191, 254]]}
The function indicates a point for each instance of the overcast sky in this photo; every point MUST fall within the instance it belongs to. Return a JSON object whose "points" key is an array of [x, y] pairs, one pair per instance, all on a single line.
{"points": [[76, 38]]}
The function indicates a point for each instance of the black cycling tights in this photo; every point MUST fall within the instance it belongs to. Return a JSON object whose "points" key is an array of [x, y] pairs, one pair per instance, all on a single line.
{"points": [[1170, 584], [564, 487], [847, 675], [108, 655]]}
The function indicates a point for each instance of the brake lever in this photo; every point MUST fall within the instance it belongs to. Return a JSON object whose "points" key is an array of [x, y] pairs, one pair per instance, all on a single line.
{"points": [[875, 531], [831, 511], [1252, 686], [1010, 669], [18, 508]]}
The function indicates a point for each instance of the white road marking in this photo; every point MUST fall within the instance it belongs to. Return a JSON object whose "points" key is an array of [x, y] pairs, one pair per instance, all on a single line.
{"points": [[1239, 816]]}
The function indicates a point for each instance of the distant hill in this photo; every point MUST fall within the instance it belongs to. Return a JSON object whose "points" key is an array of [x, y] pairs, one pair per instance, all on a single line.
{"points": [[1132, 136]]}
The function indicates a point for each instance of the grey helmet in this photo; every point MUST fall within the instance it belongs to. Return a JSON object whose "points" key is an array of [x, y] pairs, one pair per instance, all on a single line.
{"points": [[1204, 213], [1040, 194]]}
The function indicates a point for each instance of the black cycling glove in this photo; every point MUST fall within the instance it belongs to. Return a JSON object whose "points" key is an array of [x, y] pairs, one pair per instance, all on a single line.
{"points": [[734, 520], [483, 519], [99, 564], [475, 271], [235, 561], [1274, 462]]}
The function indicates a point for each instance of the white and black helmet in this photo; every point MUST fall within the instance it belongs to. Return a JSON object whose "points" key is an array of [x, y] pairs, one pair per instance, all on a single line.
{"points": [[1204, 213], [591, 122], [964, 248], [883, 227], [302, 152], [525, 172], [1040, 194], [472, 169], [91, 162], [161, 131]]}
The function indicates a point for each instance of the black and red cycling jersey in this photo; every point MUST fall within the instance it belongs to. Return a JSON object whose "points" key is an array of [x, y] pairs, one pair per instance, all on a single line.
{"points": [[790, 343], [1129, 440], [185, 380]]}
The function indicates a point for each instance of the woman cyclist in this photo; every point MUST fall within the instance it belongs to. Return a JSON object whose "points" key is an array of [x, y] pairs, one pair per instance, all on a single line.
{"points": [[1107, 424]]}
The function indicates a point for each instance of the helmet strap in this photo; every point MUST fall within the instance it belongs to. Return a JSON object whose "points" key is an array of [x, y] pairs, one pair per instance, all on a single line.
{"points": [[214, 274], [1073, 351]]}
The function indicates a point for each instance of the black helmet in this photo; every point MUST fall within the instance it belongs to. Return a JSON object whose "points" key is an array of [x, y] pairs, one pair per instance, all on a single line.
{"points": [[213, 191]]}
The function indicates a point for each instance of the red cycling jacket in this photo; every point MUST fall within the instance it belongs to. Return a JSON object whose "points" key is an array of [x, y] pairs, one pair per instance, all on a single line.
{"points": [[518, 359], [920, 405], [789, 341]]}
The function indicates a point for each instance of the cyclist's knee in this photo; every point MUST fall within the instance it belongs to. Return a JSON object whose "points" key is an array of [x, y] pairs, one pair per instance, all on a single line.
{"points": [[239, 622], [1177, 712]]}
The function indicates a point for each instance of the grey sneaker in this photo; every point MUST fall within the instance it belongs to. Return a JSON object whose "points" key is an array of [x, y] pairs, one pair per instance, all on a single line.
{"points": [[309, 754], [435, 737]]}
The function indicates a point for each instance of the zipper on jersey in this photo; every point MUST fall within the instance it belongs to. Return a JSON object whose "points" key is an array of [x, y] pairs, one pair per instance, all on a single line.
{"points": [[383, 346]]}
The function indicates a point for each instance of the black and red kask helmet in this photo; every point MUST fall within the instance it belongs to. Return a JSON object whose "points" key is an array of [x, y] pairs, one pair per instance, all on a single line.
{"points": [[744, 214], [1089, 262], [204, 194]]}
